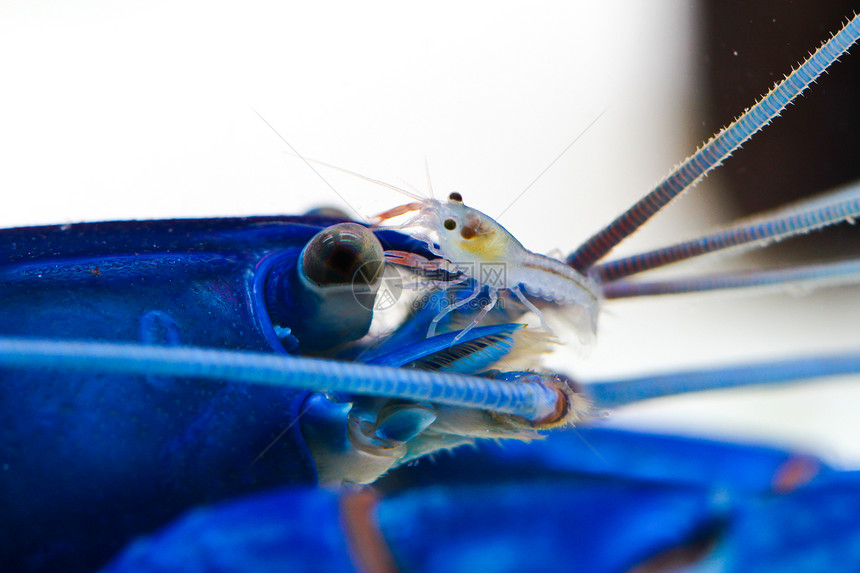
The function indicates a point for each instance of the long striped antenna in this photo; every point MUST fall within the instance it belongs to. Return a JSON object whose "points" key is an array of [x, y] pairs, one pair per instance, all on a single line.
{"points": [[615, 393], [717, 149], [527, 399], [829, 209], [805, 276]]}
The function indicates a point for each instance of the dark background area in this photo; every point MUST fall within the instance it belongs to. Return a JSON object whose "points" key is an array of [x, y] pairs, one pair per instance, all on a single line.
{"points": [[815, 145]]}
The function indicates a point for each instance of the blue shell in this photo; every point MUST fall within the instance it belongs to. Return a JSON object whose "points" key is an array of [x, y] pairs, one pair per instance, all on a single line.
{"points": [[91, 461], [171, 469]]}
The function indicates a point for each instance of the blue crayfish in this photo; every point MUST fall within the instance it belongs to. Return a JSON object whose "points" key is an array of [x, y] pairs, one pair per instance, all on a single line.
{"points": [[154, 368]]}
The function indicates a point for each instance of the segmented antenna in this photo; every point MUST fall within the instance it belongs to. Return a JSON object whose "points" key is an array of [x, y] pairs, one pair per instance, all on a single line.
{"points": [[825, 274], [615, 393], [717, 149], [529, 400], [793, 220]]}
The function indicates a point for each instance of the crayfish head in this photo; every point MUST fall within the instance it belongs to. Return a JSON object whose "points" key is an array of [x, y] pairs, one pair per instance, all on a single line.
{"points": [[466, 235]]}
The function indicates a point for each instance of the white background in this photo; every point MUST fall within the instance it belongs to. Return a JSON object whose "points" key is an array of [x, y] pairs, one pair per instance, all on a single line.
{"points": [[119, 110]]}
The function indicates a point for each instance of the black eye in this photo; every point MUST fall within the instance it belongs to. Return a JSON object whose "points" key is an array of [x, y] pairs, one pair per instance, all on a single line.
{"points": [[450, 224], [341, 254], [330, 297], [455, 197]]}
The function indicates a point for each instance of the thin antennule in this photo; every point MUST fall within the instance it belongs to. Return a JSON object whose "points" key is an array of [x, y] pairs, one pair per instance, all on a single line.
{"points": [[300, 156], [308, 162], [717, 149], [427, 173], [409, 194]]}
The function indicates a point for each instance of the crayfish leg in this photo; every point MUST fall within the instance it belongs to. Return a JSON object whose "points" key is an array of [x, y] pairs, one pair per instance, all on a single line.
{"points": [[398, 211], [494, 298], [528, 304], [431, 331], [414, 261]]}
